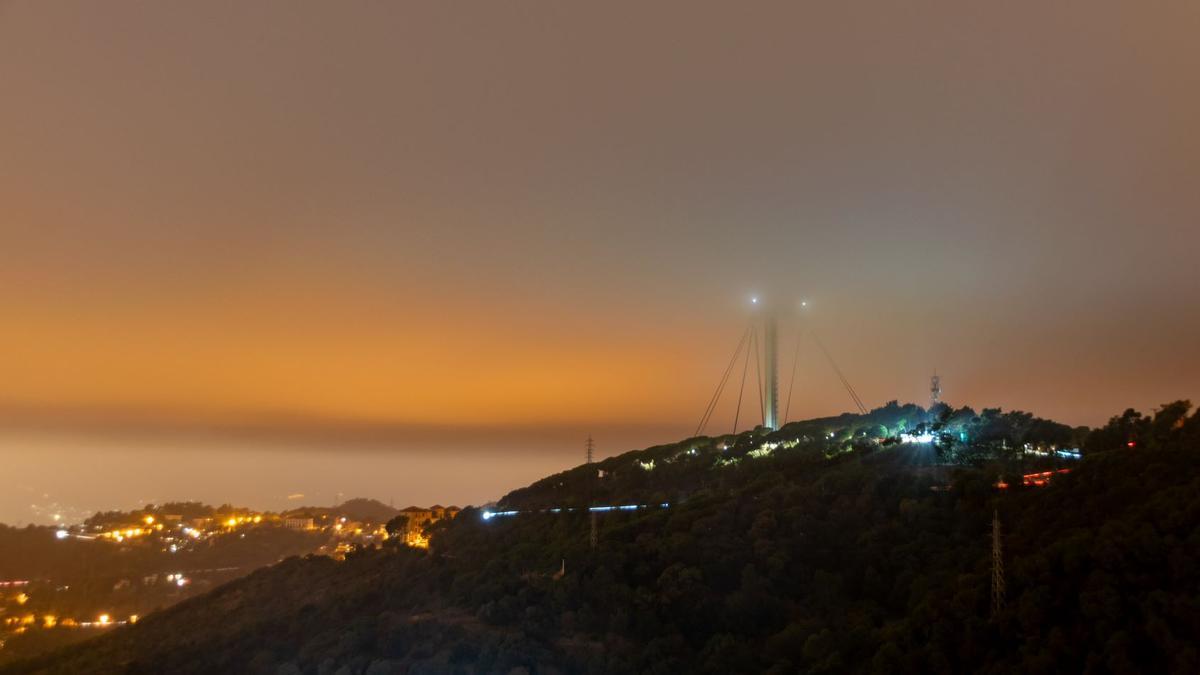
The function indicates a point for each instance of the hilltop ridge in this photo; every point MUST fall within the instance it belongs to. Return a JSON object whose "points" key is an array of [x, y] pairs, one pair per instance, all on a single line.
{"points": [[859, 542]]}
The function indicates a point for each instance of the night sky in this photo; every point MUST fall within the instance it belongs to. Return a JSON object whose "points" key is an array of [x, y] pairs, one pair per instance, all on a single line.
{"points": [[311, 219]]}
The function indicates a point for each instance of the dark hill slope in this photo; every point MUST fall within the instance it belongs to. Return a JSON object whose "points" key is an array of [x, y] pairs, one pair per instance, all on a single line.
{"points": [[785, 561]]}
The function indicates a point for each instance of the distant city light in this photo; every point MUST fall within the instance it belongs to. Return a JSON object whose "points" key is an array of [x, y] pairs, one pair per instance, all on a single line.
{"points": [[62, 534]]}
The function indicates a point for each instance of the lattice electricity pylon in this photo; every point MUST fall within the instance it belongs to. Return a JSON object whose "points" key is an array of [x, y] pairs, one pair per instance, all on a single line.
{"points": [[594, 536], [997, 566]]}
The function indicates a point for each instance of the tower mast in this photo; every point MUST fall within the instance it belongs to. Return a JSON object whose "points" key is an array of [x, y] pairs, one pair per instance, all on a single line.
{"points": [[771, 386]]}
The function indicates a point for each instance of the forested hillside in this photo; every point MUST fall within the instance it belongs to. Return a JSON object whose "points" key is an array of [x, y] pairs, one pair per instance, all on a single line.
{"points": [[828, 546]]}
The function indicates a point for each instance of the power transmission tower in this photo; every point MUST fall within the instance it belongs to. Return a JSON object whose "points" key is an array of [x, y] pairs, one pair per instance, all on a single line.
{"points": [[594, 537], [997, 566]]}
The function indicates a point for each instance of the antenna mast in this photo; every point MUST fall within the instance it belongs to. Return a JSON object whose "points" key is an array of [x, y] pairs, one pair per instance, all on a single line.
{"points": [[771, 390]]}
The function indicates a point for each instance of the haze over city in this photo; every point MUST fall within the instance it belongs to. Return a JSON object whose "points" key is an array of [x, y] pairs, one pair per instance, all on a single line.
{"points": [[297, 221]]}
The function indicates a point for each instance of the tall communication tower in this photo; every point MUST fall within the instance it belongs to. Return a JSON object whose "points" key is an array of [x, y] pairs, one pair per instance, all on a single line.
{"points": [[935, 389], [771, 386], [997, 566], [594, 536]]}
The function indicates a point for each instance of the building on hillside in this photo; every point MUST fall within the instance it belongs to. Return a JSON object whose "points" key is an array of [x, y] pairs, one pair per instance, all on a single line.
{"points": [[417, 515], [347, 528], [420, 518], [302, 524]]}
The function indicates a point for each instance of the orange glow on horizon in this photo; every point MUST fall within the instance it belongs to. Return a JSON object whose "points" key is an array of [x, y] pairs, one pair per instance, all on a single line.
{"points": [[259, 358]]}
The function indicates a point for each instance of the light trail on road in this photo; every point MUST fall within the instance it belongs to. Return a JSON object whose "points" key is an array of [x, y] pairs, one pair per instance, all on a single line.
{"points": [[488, 515]]}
